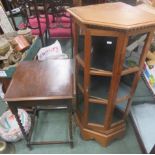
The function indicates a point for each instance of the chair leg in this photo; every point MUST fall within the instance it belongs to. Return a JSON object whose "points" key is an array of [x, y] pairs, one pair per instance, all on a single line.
{"points": [[42, 41], [70, 126], [46, 34]]}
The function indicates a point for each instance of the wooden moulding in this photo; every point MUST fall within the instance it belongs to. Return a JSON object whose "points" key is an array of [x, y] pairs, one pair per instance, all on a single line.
{"points": [[101, 129], [102, 138], [102, 16]]}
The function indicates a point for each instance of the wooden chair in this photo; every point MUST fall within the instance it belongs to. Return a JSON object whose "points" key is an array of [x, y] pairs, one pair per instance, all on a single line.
{"points": [[60, 25], [32, 18]]}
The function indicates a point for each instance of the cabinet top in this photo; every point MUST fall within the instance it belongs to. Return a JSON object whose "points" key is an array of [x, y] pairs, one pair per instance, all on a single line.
{"points": [[115, 15]]}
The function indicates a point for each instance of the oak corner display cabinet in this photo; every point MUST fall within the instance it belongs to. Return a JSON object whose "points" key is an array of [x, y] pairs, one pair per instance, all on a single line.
{"points": [[111, 41]]}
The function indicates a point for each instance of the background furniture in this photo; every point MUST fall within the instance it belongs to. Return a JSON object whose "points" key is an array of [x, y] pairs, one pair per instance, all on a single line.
{"points": [[60, 25], [107, 70], [46, 18], [29, 56], [29, 15], [46, 83]]}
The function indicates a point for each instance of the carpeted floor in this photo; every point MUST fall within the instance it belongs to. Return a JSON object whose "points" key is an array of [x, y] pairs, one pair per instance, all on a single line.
{"points": [[53, 125]]}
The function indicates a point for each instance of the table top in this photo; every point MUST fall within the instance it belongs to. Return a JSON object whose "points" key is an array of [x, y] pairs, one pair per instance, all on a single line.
{"points": [[115, 15], [44, 80]]}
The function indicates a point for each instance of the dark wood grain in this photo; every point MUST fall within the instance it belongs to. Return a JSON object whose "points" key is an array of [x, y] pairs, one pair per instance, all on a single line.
{"points": [[41, 80]]}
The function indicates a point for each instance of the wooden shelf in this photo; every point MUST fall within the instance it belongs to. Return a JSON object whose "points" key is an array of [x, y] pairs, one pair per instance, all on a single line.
{"points": [[94, 71], [102, 69], [122, 99], [99, 88], [98, 100], [101, 99], [130, 70]]}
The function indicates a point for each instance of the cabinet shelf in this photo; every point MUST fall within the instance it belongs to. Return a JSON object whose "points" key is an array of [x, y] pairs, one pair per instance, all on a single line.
{"points": [[99, 89], [101, 100], [122, 99], [98, 100], [104, 72], [130, 70], [101, 72], [104, 68], [94, 71]]}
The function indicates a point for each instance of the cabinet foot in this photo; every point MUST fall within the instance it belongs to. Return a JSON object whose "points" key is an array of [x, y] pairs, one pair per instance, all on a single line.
{"points": [[102, 138]]}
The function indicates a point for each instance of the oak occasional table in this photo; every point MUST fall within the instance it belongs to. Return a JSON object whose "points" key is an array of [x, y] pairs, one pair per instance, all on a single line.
{"points": [[42, 84]]}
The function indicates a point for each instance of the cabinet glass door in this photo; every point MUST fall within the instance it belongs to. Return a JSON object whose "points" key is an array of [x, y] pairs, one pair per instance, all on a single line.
{"points": [[96, 113], [103, 52], [134, 50]]}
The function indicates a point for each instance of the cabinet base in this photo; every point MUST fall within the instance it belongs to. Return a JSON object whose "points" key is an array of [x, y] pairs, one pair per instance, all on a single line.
{"points": [[102, 138]]}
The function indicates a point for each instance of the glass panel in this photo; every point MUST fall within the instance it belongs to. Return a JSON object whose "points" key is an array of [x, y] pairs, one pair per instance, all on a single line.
{"points": [[118, 112], [134, 50], [99, 86], [122, 106], [125, 85], [80, 100], [80, 75], [96, 113], [81, 44], [103, 52]]}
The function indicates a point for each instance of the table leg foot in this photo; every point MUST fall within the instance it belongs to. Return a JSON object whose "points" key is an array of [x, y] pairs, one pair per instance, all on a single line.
{"points": [[70, 126], [29, 146]]}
